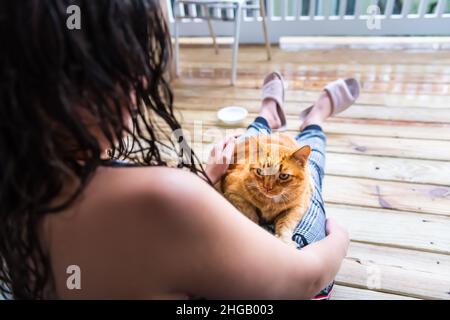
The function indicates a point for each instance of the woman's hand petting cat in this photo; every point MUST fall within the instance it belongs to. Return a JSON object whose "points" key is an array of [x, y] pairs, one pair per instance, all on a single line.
{"points": [[220, 158]]}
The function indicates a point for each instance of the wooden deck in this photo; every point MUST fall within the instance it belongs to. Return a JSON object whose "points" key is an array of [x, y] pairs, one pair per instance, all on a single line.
{"points": [[388, 160]]}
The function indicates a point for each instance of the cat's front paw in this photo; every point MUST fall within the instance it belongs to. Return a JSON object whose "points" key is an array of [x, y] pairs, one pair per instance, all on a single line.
{"points": [[286, 237]]}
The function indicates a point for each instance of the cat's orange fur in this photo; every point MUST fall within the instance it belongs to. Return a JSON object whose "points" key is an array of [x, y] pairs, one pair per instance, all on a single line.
{"points": [[254, 185]]}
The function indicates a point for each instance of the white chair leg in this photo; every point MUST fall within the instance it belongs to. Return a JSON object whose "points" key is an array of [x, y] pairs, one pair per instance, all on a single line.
{"points": [[237, 30], [211, 30], [177, 47], [262, 11]]}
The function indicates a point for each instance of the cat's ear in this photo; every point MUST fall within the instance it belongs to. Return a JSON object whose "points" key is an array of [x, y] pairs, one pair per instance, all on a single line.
{"points": [[302, 154]]}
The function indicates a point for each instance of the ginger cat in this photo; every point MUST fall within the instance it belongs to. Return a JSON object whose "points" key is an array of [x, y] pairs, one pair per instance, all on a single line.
{"points": [[269, 181]]}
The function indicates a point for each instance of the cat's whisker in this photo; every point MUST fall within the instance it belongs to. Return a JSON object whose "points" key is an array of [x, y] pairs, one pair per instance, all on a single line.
{"points": [[284, 199]]}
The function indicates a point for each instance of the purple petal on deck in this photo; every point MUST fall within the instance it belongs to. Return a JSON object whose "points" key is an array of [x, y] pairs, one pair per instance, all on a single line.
{"points": [[361, 148], [440, 192], [381, 201]]}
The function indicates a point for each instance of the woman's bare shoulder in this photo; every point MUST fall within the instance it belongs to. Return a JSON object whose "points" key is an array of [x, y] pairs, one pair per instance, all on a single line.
{"points": [[116, 193], [157, 180], [151, 186]]}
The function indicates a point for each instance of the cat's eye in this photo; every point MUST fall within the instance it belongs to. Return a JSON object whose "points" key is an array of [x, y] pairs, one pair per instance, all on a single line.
{"points": [[259, 171], [283, 176]]}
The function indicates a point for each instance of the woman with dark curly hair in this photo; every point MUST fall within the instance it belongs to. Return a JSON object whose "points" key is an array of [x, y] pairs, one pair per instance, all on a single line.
{"points": [[84, 176]]}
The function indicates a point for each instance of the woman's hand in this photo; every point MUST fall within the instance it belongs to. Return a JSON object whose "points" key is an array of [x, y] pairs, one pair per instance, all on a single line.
{"points": [[220, 158], [332, 226], [335, 229]]}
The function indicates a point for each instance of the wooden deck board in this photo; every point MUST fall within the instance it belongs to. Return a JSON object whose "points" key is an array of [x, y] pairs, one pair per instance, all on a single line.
{"points": [[394, 228], [388, 160], [419, 114], [335, 127], [351, 293], [361, 127], [398, 271], [185, 88]]}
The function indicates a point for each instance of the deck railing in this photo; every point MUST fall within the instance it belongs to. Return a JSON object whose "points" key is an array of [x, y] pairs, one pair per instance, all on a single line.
{"points": [[325, 17]]}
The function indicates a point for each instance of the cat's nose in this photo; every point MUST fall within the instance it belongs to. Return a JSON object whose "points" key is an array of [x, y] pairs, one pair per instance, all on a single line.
{"points": [[268, 184]]}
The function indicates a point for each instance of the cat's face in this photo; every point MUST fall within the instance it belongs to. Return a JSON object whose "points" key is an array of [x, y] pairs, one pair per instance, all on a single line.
{"points": [[278, 173]]}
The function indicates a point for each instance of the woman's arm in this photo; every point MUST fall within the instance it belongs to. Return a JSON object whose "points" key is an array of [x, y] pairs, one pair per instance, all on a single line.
{"points": [[222, 254]]}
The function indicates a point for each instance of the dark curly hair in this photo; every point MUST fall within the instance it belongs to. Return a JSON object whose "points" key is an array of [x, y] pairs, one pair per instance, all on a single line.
{"points": [[113, 66]]}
